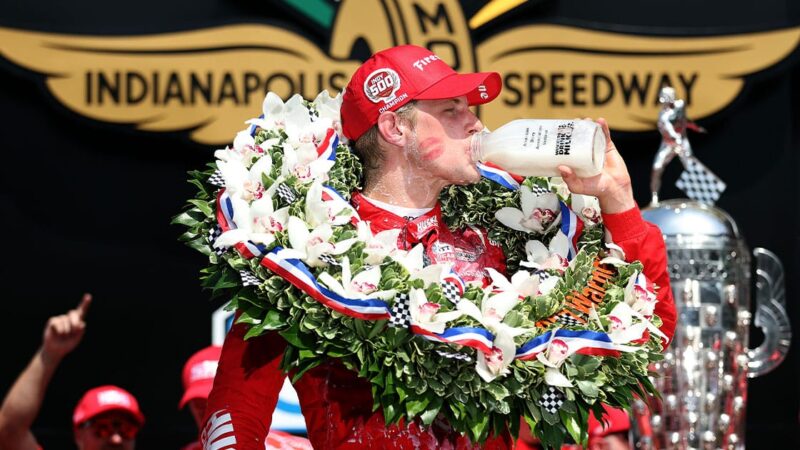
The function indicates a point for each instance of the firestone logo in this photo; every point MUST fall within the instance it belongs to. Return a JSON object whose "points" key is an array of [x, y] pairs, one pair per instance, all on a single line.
{"points": [[382, 84], [421, 63]]}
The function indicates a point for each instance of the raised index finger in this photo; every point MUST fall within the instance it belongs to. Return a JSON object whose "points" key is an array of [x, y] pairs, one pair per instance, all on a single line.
{"points": [[83, 307]]}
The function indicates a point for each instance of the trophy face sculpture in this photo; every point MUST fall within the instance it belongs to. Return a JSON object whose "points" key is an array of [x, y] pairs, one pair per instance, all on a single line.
{"points": [[703, 377]]}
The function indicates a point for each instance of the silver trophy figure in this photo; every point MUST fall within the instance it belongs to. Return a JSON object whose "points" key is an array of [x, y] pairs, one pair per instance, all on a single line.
{"points": [[672, 123], [703, 377]]}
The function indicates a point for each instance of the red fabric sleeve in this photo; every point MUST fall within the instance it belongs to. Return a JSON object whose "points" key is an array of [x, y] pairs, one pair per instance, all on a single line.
{"points": [[644, 242], [245, 392]]}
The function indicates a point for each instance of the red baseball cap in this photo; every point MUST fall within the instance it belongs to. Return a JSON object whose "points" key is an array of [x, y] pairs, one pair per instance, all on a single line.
{"points": [[198, 374], [395, 76], [106, 398]]}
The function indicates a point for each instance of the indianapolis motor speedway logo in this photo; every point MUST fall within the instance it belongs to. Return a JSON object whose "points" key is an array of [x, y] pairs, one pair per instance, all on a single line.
{"points": [[209, 81]]}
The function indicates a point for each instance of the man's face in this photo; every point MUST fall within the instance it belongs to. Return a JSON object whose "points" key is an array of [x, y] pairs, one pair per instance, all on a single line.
{"points": [[111, 430], [440, 145]]}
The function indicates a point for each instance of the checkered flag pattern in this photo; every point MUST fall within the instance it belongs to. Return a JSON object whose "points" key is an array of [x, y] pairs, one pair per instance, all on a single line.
{"points": [[286, 193], [329, 260], [551, 400], [213, 234], [401, 311], [249, 278], [543, 275], [699, 183], [538, 190], [453, 355], [450, 291], [216, 179], [569, 320]]}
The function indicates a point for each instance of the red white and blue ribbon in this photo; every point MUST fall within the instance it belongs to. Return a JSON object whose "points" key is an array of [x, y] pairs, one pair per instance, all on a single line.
{"points": [[327, 148], [572, 227], [477, 338], [582, 342], [247, 249], [329, 193], [294, 271], [499, 176]]}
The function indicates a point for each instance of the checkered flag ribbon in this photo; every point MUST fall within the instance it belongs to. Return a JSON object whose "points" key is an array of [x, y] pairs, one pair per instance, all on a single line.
{"points": [[451, 292], [401, 312], [551, 400], [569, 320], [329, 260], [699, 183], [249, 278], [538, 190], [216, 179], [543, 275], [286, 193], [213, 234], [453, 355]]}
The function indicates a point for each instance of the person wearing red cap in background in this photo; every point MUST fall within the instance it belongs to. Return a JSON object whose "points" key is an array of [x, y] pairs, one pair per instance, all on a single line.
{"points": [[105, 417], [407, 116], [198, 377], [612, 436]]}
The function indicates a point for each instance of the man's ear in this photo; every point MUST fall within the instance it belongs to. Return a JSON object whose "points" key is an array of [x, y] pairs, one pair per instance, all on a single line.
{"points": [[392, 129]]}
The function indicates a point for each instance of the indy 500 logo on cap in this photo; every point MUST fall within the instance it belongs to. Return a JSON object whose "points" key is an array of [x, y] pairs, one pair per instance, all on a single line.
{"points": [[382, 85]]}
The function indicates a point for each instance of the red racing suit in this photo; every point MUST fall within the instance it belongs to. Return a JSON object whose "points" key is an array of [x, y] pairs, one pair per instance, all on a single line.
{"points": [[336, 403]]}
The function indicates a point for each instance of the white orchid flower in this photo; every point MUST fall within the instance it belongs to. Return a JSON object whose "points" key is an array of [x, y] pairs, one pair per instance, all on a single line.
{"points": [[615, 255], [363, 285], [553, 358], [335, 211], [413, 262], [243, 183], [587, 208], [278, 114], [244, 148], [622, 328], [552, 257], [426, 315], [328, 108], [256, 222], [303, 134], [539, 213], [521, 285], [378, 246], [304, 163], [495, 364], [638, 296], [493, 309], [310, 245]]}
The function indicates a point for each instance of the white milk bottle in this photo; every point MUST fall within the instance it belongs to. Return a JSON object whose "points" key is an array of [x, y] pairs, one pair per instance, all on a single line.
{"points": [[536, 147]]}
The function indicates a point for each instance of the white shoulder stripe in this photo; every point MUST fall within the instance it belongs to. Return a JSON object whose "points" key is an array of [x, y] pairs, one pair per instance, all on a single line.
{"points": [[225, 443], [219, 424], [224, 429]]}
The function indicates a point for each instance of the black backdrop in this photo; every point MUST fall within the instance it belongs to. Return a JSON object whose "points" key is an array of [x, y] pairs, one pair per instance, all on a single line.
{"points": [[86, 205]]}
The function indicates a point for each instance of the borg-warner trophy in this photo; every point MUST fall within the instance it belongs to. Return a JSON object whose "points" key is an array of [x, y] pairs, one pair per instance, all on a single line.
{"points": [[703, 377]]}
